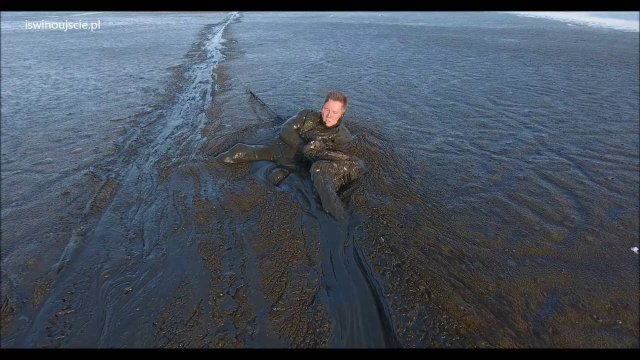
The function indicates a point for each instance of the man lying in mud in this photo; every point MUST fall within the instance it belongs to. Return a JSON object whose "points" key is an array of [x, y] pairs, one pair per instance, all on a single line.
{"points": [[315, 137]]}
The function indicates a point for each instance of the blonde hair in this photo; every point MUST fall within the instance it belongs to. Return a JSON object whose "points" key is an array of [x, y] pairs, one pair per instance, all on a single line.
{"points": [[337, 96]]}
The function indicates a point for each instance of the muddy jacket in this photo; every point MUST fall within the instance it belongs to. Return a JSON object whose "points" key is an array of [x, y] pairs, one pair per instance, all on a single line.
{"points": [[308, 133]]}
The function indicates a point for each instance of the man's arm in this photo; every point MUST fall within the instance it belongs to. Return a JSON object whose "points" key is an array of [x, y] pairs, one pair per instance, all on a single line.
{"points": [[290, 133], [319, 150]]}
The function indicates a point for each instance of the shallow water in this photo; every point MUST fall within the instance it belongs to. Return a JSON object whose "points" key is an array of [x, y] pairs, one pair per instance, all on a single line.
{"points": [[521, 134], [499, 210]]}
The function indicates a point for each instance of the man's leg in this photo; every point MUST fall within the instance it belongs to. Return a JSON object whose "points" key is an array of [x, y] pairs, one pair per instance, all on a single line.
{"points": [[241, 153], [279, 153], [328, 177], [326, 190]]}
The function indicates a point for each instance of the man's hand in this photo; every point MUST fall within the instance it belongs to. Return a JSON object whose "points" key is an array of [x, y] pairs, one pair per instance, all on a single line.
{"points": [[315, 145], [317, 150]]}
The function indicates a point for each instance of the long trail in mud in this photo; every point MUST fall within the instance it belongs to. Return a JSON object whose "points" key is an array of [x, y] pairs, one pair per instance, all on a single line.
{"points": [[351, 292], [175, 250]]}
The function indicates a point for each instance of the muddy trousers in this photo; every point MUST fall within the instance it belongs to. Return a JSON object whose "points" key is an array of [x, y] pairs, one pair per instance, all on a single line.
{"points": [[328, 177], [279, 153]]}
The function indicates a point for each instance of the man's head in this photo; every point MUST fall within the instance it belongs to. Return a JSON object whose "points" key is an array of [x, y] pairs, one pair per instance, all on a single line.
{"points": [[334, 107]]}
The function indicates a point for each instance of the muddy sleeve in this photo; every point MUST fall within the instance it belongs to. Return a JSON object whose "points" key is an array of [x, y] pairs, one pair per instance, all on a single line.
{"points": [[321, 150], [290, 132]]}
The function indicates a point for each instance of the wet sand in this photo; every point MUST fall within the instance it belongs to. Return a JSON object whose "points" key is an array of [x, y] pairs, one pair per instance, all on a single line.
{"points": [[166, 247]]}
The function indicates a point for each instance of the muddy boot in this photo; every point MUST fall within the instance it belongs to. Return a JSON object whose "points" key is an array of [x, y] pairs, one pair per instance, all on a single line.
{"points": [[241, 153], [277, 175]]}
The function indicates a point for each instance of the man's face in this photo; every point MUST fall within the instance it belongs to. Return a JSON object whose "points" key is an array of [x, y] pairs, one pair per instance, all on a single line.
{"points": [[332, 112]]}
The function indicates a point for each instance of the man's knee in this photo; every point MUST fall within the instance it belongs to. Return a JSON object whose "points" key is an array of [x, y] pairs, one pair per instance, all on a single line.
{"points": [[337, 173], [319, 166], [356, 169]]}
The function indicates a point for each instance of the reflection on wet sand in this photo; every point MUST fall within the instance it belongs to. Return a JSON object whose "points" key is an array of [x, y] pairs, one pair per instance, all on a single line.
{"points": [[481, 243]]}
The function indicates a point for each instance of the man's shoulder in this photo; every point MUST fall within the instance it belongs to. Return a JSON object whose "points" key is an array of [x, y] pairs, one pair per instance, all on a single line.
{"points": [[310, 113], [344, 135], [343, 128]]}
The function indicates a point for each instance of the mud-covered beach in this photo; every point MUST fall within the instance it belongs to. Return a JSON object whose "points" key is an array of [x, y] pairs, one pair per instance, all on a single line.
{"points": [[486, 218]]}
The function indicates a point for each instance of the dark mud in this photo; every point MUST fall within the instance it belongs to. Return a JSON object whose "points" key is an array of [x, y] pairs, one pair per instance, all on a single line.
{"points": [[162, 246], [174, 249]]}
